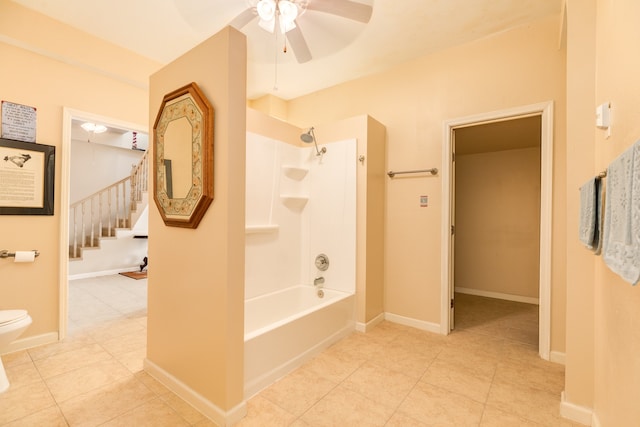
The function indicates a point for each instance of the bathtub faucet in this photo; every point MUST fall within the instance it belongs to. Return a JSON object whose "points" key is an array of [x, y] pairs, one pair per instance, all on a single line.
{"points": [[318, 281]]}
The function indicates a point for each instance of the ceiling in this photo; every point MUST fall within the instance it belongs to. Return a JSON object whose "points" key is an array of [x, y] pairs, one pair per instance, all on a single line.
{"points": [[114, 136], [342, 49], [502, 135]]}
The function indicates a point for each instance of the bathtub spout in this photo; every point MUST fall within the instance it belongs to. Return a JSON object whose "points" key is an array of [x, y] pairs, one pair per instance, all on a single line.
{"points": [[318, 281]]}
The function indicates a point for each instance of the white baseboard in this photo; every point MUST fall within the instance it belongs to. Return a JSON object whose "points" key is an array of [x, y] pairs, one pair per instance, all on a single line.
{"points": [[498, 295], [34, 341], [557, 357], [211, 411], [414, 323], [574, 412], [365, 327], [102, 273]]}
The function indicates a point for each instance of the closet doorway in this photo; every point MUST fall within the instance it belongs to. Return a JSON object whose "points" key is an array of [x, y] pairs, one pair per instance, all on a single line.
{"points": [[497, 228], [497, 198]]}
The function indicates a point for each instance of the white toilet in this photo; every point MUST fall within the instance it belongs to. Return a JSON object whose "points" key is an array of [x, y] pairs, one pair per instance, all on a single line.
{"points": [[12, 325]]}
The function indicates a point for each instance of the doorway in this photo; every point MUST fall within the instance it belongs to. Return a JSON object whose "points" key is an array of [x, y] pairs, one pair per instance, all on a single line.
{"points": [[497, 227], [70, 118], [538, 116]]}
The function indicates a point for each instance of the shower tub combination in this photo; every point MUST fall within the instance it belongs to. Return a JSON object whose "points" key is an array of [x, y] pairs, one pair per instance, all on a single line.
{"points": [[286, 328], [295, 307]]}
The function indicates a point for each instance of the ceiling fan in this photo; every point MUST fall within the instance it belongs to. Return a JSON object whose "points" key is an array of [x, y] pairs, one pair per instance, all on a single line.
{"points": [[282, 15]]}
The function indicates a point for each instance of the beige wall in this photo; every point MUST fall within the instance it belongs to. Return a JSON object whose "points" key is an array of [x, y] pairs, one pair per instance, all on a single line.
{"points": [[603, 343], [71, 70], [263, 124], [580, 41], [498, 222], [617, 303], [412, 101], [196, 288]]}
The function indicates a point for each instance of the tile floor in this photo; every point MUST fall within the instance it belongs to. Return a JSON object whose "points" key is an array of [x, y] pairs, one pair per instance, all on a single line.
{"points": [[94, 377], [486, 373]]}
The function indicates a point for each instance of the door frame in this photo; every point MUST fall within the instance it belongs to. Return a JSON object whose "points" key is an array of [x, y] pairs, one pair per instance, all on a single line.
{"points": [[545, 111], [68, 115]]}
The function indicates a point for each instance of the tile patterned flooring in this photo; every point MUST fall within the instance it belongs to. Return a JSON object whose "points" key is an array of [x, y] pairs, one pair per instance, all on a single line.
{"points": [[486, 373]]}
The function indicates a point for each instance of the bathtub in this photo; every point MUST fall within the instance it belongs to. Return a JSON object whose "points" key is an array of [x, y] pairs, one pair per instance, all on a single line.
{"points": [[284, 329]]}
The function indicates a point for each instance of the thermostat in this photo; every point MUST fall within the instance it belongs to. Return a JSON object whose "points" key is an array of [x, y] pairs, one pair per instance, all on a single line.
{"points": [[603, 115]]}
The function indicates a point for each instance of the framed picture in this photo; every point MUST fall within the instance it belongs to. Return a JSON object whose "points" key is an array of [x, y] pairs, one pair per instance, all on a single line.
{"points": [[27, 173]]}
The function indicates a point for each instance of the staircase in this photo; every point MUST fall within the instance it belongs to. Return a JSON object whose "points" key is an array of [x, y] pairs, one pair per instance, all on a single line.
{"points": [[108, 212]]}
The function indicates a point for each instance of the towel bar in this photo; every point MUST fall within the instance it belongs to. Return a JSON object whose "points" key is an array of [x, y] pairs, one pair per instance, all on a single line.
{"points": [[432, 171]]}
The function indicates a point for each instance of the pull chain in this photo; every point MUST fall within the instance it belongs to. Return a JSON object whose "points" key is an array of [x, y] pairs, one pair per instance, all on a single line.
{"points": [[275, 78]]}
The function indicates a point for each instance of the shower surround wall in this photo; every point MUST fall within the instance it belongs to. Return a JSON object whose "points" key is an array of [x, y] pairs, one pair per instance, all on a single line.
{"points": [[299, 205]]}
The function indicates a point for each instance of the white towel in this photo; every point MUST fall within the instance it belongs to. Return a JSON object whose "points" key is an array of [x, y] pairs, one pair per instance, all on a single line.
{"points": [[621, 245]]}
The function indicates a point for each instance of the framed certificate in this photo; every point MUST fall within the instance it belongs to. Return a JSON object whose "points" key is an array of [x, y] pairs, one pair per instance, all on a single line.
{"points": [[27, 173]]}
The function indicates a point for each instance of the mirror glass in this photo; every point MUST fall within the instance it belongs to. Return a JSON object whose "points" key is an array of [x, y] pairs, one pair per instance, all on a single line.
{"points": [[177, 152], [183, 157]]}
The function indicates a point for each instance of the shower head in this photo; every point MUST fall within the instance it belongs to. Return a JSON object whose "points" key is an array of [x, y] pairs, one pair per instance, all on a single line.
{"points": [[306, 137], [309, 137]]}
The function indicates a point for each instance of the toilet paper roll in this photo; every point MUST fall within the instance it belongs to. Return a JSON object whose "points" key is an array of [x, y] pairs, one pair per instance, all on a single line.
{"points": [[25, 256]]}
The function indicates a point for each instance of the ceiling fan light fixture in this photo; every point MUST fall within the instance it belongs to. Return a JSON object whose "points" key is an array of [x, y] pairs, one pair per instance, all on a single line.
{"points": [[288, 14], [266, 9], [269, 25], [92, 127], [288, 10], [285, 24]]}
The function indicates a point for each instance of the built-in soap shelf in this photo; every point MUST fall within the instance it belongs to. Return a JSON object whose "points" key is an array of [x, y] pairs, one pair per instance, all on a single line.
{"points": [[265, 228], [295, 172], [294, 202]]}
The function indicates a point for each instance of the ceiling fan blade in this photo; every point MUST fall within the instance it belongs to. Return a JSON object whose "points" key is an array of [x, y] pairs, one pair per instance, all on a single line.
{"points": [[345, 8], [243, 19], [299, 45]]}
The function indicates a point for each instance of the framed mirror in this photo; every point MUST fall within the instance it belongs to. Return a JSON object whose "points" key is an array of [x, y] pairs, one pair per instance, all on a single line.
{"points": [[183, 157]]}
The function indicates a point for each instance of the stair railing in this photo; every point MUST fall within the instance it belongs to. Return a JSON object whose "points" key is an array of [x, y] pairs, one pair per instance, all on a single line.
{"points": [[140, 178], [101, 213]]}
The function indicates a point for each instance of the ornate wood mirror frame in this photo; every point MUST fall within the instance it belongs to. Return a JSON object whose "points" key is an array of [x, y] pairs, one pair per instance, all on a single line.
{"points": [[183, 157]]}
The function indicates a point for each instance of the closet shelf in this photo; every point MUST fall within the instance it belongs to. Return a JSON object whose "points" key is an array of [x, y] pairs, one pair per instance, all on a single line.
{"points": [[266, 228], [295, 172]]}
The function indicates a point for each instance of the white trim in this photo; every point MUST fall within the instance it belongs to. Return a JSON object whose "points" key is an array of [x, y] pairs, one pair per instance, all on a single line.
{"points": [[546, 203], [577, 413], [366, 327], [545, 110], [63, 240], [557, 357], [498, 295], [595, 421], [415, 323], [30, 342], [195, 399], [101, 273], [69, 114]]}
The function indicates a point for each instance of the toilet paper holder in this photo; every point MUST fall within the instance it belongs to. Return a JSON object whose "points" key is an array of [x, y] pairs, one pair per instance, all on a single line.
{"points": [[6, 254]]}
